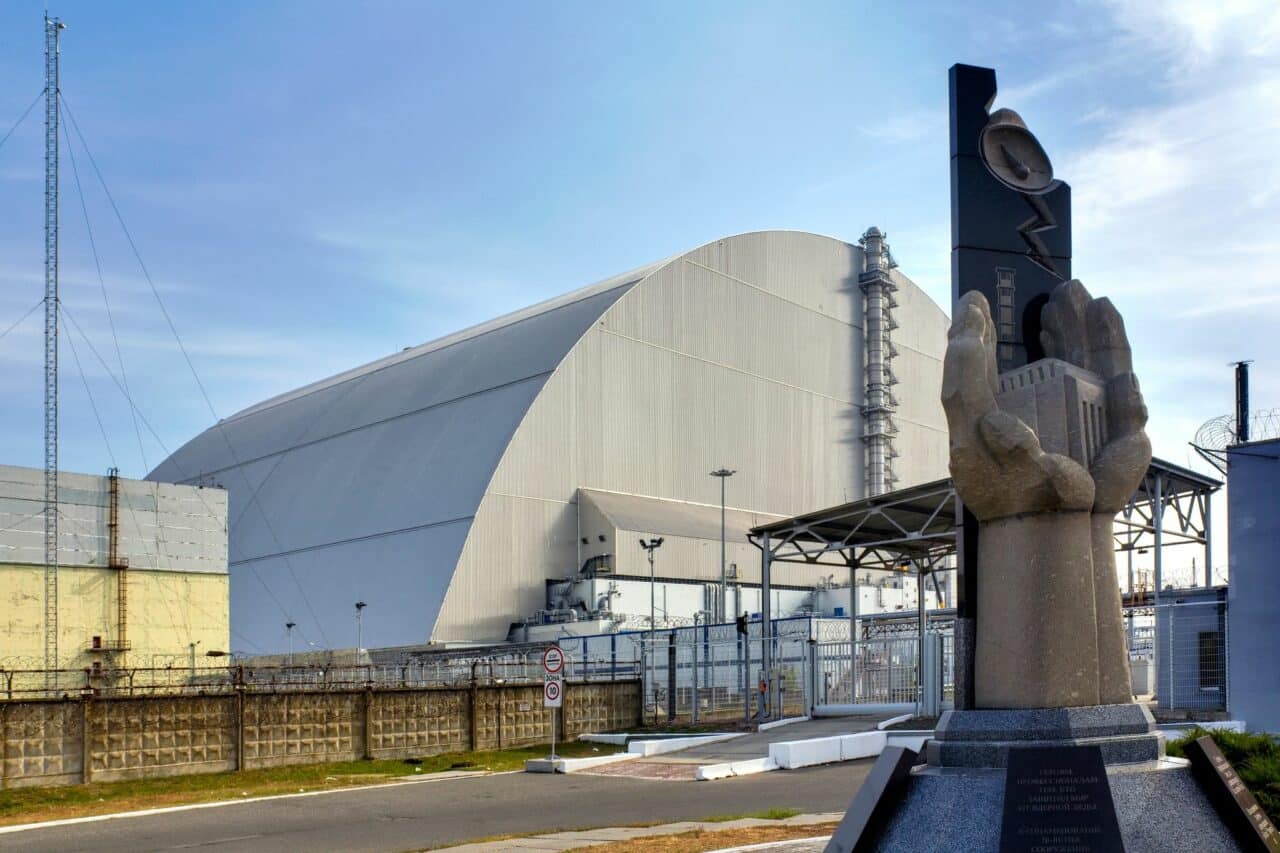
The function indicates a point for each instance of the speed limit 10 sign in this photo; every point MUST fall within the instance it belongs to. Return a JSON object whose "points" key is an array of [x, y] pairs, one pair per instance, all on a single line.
{"points": [[553, 692], [553, 660]]}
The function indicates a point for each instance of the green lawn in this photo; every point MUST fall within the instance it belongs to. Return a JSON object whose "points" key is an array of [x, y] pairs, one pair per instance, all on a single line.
{"points": [[26, 805], [1256, 758]]}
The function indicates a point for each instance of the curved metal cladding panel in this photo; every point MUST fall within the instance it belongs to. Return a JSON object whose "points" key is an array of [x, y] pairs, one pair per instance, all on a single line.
{"points": [[746, 352], [364, 486]]}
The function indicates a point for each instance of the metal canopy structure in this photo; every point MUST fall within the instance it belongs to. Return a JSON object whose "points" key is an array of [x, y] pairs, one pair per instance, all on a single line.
{"points": [[915, 524], [916, 529], [918, 525]]}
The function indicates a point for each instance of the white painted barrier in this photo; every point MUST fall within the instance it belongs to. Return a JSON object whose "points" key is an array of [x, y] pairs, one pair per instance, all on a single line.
{"points": [[711, 772], [573, 765], [806, 753], [862, 745], [747, 767]]}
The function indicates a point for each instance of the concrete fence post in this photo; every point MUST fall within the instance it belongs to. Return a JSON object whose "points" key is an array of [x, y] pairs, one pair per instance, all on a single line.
{"points": [[4, 739], [86, 744], [368, 721], [473, 712], [238, 722]]}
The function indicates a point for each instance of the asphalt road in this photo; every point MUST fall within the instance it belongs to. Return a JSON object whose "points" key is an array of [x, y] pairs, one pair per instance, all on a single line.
{"points": [[432, 813]]}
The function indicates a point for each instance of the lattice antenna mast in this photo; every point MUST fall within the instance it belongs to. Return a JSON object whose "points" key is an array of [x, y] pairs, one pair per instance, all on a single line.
{"points": [[52, 29]]}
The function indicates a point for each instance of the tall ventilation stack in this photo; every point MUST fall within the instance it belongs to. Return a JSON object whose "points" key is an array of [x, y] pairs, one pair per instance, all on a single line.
{"points": [[877, 412]]}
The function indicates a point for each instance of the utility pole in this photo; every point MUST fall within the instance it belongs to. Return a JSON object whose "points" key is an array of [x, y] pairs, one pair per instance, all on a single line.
{"points": [[650, 546], [723, 474], [52, 29], [360, 606]]}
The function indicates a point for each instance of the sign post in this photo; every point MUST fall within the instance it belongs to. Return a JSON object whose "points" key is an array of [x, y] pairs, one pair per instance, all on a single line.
{"points": [[553, 687]]}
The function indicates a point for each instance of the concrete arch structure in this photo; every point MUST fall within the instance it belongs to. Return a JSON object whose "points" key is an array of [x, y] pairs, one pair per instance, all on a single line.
{"points": [[441, 484]]}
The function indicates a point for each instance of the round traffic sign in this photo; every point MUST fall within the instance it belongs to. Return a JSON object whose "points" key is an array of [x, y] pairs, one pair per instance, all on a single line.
{"points": [[551, 691], [553, 659]]}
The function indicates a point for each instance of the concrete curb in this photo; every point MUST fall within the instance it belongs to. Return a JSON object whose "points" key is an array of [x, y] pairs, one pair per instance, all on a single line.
{"points": [[794, 754], [647, 748], [724, 770], [613, 740], [1237, 726], [892, 721], [864, 709], [775, 845], [764, 727], [585, 838], [791, 755], [910, 738]]}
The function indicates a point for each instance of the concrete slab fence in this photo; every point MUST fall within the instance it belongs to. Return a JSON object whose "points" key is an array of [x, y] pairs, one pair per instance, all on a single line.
{"points": [[76, 740]]}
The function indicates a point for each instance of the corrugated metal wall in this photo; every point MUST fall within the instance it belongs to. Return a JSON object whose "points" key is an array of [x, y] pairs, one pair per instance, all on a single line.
{"points": [[162, 526], [745, 353]]}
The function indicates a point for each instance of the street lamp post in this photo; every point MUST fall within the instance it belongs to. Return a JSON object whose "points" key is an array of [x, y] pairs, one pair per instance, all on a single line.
{"points": [[360, 606], [650, 546], [723, 474], [288, 629]]}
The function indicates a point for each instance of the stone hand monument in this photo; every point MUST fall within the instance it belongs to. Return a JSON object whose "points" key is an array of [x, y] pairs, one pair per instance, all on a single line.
{"points": [[1045, 748], [1044, 456]]}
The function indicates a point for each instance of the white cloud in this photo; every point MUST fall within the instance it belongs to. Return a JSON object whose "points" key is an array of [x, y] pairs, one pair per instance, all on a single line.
{"points": [[1195, 34]]}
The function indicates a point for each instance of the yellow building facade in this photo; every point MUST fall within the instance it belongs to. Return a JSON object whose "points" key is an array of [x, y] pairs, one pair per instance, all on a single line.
{"points": [[142, 573]]}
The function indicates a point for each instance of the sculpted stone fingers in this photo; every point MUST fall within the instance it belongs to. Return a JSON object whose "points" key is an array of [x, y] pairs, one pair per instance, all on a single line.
{"points": [[996, 459], [1030, 480], [1065, 332], [1118, 469], [968, 393], [1108, 343]]}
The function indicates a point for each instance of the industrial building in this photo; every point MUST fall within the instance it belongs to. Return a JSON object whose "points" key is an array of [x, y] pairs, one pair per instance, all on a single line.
{"points": [[462, 487], [141, 578]]}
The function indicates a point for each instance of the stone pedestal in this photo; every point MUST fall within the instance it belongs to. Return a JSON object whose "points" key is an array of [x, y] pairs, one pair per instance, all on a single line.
{"points": [[1159, 806], [983, 738], [956, 801]]}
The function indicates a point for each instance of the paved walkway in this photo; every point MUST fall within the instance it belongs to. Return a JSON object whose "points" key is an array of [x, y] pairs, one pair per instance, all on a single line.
{"points": [[573, 840], [681, 766]]}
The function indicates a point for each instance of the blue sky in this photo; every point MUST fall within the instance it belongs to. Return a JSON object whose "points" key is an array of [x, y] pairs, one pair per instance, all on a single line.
{"points": [[315, 185]]}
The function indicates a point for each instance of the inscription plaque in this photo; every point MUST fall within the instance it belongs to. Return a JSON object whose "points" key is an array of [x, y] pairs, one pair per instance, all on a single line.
{"points": [[1058, 800], [1233, 801]]}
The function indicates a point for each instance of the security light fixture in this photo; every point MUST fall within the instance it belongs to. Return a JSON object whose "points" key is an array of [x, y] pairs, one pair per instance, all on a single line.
{"points": [[724, 474]]}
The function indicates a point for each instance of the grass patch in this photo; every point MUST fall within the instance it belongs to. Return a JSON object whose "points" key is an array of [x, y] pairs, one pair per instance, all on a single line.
{"points": [[28, 805], [700, 840], [775, 813], [1256, 758]]}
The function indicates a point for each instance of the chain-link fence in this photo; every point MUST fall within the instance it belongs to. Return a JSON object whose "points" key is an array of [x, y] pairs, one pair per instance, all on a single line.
{"points": [[695, 680], [1191, 656], [1178, 652]]}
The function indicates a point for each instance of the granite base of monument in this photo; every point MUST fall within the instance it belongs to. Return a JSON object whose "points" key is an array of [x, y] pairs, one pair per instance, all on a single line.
{"points": [[982, 738], [1158, 806], [1077, 775]]}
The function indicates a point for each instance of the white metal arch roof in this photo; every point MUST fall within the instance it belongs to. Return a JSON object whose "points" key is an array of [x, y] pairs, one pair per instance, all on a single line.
{"points": [[384, 462], [366, 485]]}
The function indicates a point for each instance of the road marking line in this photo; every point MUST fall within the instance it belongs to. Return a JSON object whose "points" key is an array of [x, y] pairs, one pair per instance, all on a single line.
{"points": [[215, 841], [71, 821]]}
